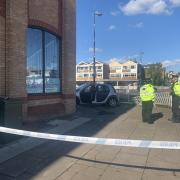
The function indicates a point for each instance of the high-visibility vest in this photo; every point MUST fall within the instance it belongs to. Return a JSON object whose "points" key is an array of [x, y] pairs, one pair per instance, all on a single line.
{"points": [[176, 88], [147, 93]]}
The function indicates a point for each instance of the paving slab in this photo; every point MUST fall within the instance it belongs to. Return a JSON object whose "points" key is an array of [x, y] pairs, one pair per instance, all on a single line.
{"points": [[71, 172], [13, 149], [121, 174], [52, 160], [53, 170], [159, 175]]}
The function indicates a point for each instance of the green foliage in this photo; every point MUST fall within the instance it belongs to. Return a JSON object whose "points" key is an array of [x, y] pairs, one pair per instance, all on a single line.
{"points": [[157, 73]]}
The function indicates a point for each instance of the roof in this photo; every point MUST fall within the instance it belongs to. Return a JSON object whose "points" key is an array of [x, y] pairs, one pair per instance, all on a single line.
{"points": [[90, 63]]}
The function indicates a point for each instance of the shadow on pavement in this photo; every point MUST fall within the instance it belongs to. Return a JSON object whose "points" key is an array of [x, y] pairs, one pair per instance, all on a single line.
{"points": [[125, 165], [157, 116], [34, 161]]}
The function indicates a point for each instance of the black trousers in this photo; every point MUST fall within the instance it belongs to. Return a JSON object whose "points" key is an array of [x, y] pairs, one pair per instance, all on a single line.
{"points": [[147, 107], [176, 108]]}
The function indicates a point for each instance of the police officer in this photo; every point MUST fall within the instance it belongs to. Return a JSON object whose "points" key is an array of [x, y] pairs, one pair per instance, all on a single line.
{"points": [[175, 92], [147, 96]]}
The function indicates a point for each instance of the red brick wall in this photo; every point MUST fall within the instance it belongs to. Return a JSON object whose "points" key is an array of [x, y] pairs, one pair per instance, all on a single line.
{"points": [[2, 8], [2, 56], [16, 24], [46, 14], [44, 112], [2, 47], [57, 16]]}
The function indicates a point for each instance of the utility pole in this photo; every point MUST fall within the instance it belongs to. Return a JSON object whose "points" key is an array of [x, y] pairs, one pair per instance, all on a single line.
{"points": [[94, 46]]}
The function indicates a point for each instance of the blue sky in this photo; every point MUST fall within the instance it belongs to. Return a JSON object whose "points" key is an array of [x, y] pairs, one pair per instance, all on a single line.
{"points": [[141, 29]]}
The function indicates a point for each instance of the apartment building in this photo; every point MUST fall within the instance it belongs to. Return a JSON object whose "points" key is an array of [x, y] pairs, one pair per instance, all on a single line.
{"points": [[127, 73], [37, 56], [123, 71], [84, 71], [116, 73]]}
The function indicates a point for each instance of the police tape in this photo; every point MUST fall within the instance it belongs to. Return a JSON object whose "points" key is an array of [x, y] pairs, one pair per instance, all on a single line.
{"points": [[94, 140]]}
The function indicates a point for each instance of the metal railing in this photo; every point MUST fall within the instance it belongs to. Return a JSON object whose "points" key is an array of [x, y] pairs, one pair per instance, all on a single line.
{"points": [[162, 98]]}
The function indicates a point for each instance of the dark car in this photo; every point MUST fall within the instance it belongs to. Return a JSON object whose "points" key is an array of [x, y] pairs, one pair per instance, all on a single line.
{"points": [[97, 94]]}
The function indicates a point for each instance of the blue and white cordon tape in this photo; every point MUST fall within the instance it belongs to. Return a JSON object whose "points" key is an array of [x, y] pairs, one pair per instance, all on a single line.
{"points": [[93, 140]]}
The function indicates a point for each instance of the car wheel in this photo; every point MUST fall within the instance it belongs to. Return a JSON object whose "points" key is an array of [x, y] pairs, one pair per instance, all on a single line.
{"points": [[77, 101], [112, 102]]}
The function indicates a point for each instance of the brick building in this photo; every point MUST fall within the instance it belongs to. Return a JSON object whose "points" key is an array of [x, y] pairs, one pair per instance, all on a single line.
{"points": [[37, 56]]}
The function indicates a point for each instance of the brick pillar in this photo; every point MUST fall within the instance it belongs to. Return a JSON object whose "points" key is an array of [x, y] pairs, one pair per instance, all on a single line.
{"points": [[16, 25], [69, 52], [2, 47]]}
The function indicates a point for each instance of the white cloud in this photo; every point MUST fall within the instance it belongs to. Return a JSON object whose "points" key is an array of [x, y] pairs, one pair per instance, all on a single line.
{"points": [[114, 13], [96, 49], [112, 27], [175, 3], [114, 59], [167, 63], [135, 7], [121, 60], [138, 25]]}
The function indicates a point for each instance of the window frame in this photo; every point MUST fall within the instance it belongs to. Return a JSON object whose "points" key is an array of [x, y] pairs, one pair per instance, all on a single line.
{"points": [[43, 31]]}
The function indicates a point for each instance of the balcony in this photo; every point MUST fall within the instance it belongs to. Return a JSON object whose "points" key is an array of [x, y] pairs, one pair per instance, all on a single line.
{"points": [[126, 70], [112, 71]]}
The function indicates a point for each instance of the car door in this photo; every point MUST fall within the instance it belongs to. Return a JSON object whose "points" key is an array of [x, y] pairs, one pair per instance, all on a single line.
{"points": [[86, 94], [102, 92]]}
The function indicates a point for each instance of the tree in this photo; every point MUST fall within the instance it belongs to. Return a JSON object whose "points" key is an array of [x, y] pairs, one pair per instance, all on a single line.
{"points": [[156, 72]]}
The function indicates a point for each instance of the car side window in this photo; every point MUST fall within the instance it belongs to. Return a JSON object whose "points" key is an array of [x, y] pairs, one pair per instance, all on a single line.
{"points": [[106, 88], [88, 89], [102, 89]]}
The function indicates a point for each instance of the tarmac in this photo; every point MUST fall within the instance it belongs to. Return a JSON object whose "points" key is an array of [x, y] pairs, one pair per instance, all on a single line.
{"points": [[30, 158]]}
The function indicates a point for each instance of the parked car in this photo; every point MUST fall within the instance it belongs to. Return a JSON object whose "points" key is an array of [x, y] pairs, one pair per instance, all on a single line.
{"points": [[97, 94]]}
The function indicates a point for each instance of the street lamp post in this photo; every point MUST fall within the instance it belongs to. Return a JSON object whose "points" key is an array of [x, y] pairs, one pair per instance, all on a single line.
{"points": [[94, 46]]}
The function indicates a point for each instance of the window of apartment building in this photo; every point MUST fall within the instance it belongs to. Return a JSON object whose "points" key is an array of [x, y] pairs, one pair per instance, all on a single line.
{"points": [[80, 75], [82, 68], [99, 69], [112, 68], [43, 62], [125, 67], [115, 75], [86, 75], [99, 75], [133, 75], [133, 67], [129, 75], [79, 69]]}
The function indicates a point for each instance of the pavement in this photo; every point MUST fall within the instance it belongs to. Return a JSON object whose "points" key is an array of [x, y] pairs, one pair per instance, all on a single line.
{"points": [[30, 158]]}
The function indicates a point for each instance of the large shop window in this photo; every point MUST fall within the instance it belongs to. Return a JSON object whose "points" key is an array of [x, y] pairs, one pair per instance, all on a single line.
{"points": [[43, 62]]}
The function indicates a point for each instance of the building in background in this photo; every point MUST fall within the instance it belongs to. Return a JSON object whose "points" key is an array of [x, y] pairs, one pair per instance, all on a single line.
{"points": [[37, 56], [84, 71], [120, 75], [128, 73]]}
